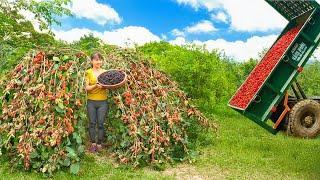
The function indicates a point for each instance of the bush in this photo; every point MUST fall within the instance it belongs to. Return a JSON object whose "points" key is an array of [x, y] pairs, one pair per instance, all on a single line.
{"points": [[205, 76]]}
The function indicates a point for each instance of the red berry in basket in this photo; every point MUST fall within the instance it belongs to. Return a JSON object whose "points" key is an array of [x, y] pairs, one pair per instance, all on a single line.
{"points": [[111, 77]]}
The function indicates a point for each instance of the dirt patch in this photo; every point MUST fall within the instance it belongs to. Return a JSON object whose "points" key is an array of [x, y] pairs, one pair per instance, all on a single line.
{"points": [[188, 172]]}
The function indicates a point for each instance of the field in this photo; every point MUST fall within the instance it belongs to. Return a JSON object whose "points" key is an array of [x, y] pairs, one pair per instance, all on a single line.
{"points": [[241, 150]]}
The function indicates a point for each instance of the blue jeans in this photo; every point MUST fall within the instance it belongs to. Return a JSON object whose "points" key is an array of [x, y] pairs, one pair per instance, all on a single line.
{"points": [[97, 112]]}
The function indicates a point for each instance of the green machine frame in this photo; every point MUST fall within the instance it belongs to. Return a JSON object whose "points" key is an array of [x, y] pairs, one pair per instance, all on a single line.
{"points": [[272, 92]]}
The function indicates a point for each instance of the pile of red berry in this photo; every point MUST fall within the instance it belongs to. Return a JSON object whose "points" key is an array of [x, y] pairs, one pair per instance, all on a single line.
{"points": [[260, 73]]}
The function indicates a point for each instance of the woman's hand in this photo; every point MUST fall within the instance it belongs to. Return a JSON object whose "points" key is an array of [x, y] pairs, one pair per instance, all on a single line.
{"points": [[93, 87], [99, 86]]}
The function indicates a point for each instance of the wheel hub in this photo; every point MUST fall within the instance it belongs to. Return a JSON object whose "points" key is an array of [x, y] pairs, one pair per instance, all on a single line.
{"points": [[308, 121]]}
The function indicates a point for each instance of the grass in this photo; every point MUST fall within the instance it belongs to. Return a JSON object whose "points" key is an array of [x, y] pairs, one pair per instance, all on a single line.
{"points": [[92, 167], [240, 150]]}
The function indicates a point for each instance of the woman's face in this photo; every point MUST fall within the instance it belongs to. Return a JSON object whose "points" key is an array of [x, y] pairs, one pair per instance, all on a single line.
{"points": [[96, 62]]}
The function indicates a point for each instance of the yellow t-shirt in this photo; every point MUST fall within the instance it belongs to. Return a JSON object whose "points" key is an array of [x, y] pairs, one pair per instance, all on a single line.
{"points": [[96, 94]]}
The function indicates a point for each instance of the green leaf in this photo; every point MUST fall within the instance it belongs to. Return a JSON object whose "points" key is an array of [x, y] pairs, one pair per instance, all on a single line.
{"points": [[65, 58], [44, 155], [83, 115], [71, 152], [66, 162], [68, 141], [60, 105], [74, 168], [81, 149], [118, 114], [123, 144], [139, 132], [59, 110], [74, 75], [39, 80], [77, 137], [18, 81], [36, 165], [41, 104], [34, 154], [56, 59], [56, 66]]}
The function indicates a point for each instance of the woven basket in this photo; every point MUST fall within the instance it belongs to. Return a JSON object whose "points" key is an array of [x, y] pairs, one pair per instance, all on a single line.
{"points": [[115, 86]]}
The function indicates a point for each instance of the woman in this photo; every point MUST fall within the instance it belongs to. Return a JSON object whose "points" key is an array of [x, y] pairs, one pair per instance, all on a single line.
{"points": [[96, 104]]}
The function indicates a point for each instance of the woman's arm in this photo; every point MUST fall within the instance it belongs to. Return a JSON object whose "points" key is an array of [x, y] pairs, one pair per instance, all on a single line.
{"points": [[92, 87]]}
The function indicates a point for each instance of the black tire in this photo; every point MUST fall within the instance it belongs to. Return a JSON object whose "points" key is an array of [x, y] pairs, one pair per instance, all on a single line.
{"points": [[304, 119]]}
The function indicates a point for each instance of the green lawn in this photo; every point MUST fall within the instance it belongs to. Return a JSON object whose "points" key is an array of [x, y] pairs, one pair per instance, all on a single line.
{"points": [[241, 150], [93, 167]]}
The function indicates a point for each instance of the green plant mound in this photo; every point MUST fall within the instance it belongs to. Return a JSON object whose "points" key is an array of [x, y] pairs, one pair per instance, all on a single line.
{"points": [[42, 112], [43, 117], [151, 116]]}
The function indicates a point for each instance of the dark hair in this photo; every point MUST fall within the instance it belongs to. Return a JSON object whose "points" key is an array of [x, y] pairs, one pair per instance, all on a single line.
{"points": [[96, 55]]}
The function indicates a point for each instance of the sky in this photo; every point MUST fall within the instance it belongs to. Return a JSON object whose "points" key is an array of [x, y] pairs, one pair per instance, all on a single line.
{"points": [[239, 28]]}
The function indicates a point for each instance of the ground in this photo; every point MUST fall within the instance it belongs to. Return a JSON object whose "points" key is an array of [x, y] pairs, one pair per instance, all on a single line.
{"points": [[241, 150]]}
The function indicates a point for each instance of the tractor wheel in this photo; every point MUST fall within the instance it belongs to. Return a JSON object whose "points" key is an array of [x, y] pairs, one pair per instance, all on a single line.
{"points": [[304, 119]]}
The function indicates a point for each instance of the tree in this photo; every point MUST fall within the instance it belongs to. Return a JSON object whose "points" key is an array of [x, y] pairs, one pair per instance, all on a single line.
{"points": [[88, 43], [18, 35], [44, 11]]}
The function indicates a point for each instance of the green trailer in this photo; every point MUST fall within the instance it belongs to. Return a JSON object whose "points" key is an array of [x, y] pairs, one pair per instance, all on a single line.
{"points": [[296, 113]]}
